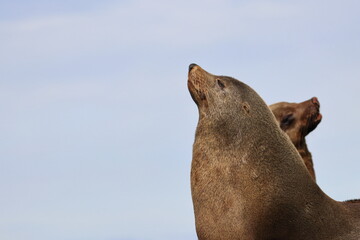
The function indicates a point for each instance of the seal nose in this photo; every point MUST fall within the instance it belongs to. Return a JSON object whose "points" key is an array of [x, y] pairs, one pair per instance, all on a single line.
{"points": [[315, 101], [191, 66]]}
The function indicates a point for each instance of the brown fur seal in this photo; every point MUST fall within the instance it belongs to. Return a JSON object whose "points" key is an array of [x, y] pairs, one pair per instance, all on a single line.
{"points": [[297, 120], [248, 182]]}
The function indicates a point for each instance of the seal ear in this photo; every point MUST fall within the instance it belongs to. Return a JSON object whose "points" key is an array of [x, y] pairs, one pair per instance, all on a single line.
{"points": [[245, 107], [220, 84]]}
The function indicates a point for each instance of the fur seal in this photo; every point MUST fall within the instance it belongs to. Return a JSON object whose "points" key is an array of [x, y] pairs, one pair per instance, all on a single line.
{"points": [[248, 181], [297, 120]]}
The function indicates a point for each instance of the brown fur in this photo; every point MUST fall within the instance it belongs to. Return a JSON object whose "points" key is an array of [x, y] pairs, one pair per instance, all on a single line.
{"points": [[248, 182], [297, 120]]}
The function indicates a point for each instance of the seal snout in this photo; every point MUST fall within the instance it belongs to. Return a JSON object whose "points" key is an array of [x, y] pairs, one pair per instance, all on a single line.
{"points": [[315, 112], [191, 66], [198, 84], [315, 101]]}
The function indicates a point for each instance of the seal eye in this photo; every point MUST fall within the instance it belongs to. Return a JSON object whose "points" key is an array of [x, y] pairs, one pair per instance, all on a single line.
{"points": [[220, 83], [287, 120]]}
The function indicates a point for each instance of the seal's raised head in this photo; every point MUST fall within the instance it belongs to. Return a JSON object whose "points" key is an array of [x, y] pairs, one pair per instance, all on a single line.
{"points": [[224, 100], [297, 119], [213, 93]]}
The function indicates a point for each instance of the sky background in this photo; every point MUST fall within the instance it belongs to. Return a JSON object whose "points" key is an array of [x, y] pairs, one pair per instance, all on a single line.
{"points": [[97, 124]]}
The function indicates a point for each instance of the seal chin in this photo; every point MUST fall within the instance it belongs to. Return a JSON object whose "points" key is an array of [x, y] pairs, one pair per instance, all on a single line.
{"points": [[193, 92], [315, 119], [318, 118]]}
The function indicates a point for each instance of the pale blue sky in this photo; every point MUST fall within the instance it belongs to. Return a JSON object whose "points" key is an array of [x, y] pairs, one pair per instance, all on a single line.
{"points": [[97, 124]]}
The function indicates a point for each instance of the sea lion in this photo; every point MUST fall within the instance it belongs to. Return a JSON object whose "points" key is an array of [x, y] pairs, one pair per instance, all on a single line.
{"points": [[248, 181], [297, 120]]}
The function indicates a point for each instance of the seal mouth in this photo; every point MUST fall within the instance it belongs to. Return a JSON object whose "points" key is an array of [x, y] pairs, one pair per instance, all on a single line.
{"points": [[319, 117], [314, 120], [196, 94], [316, 104], [315, 115]]}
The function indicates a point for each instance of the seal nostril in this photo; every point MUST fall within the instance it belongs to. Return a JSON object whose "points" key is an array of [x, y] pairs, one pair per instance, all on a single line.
{"points": [[315, 101], [191, 66]]}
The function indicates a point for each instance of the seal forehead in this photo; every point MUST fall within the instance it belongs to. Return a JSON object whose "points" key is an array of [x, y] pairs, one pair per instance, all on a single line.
{"points": [[280, 105]]}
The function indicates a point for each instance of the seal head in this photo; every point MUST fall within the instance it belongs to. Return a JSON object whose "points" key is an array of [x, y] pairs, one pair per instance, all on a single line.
{"points": [[297, 119]]}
